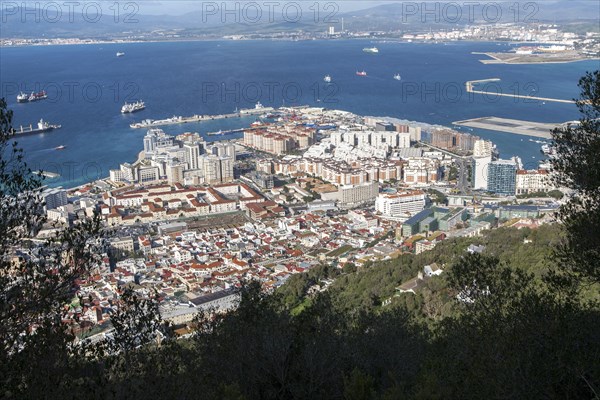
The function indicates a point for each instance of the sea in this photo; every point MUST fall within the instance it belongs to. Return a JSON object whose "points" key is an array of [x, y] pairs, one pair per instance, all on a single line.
{"points": [[88, 84]]}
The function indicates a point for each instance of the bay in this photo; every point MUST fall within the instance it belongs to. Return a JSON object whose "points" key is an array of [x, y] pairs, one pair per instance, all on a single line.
{"points": [[88, 84]]}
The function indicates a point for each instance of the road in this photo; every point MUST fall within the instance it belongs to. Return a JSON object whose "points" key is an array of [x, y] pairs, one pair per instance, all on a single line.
{"points": [[462, 163], [462, 181]]}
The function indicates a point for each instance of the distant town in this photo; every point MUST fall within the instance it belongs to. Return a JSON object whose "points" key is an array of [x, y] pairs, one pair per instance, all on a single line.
{"points": [[193, 219]]}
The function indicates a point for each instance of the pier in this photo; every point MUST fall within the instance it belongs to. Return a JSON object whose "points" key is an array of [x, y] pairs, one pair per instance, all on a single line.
{"points": [[469, 86], [151, 123], [231, 131], [514, 126]]}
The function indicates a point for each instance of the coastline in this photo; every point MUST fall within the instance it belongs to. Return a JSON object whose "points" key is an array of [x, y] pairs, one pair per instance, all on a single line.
{"points": [[270, 39], [497, 60]]}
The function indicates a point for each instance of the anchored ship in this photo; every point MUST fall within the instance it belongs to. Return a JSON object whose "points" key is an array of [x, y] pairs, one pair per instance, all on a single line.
{"points": [[42, 127], [22, 97], [25, 98], [133, 107], [258, 109], [371, 50]]}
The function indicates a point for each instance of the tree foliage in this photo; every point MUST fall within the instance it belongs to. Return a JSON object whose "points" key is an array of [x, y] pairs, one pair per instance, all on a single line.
{"points": [[577, 166]]}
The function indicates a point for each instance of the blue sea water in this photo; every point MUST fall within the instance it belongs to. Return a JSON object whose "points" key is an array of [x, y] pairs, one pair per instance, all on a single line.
{"points": [[88, 84]]}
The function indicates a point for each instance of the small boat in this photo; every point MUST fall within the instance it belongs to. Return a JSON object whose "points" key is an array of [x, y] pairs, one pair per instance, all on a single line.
{"points": [[371, 50], [327, 78], [361, 73], [397, 77], [119, 54], [61, 147]]}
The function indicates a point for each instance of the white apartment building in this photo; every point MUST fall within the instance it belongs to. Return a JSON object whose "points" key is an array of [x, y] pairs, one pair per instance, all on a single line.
{"points": [[482, 148], [400, 205], [532, 181], [421, 171], [480, 172], [350, 196]]}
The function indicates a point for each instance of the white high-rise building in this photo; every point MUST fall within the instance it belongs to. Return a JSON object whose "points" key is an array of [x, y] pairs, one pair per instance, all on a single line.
{"points": [[415, 133], [533, 181], [479, 173], [192, 155], [211, 165], [175, 173], [482, 148], [54, 197], [400, 205], [147, 173], [226, 169], [157, 138], [404, 140]]}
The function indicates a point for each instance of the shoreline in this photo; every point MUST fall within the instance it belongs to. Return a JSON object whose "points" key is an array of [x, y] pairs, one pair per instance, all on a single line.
{"points": [[497, 60], [272, 39]]}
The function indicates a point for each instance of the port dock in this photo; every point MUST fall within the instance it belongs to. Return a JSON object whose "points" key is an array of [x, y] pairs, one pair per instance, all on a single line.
{"points": [[470, 89], [151, 123], [514, 126], [232, 131]]}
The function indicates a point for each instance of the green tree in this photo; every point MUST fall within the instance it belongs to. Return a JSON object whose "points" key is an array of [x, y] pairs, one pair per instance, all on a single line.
{"points": [[37, 279], [577, 166]]}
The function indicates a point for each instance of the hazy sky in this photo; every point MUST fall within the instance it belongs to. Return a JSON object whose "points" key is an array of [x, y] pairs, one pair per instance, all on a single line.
{"points": [[174, 7], [178, 7]]}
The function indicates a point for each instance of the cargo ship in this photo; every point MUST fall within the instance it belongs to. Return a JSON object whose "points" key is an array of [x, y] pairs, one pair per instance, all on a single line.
{"points": [[42, 127], [361, 73], [25, 98], [258, 109], [133, 107], [371, 50]]}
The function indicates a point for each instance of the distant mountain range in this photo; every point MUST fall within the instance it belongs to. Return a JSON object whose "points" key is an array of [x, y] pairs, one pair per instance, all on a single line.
{"points": [[393, 16]]}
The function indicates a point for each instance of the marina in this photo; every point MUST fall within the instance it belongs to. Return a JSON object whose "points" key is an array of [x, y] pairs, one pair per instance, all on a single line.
{"points": [[517, 127]]}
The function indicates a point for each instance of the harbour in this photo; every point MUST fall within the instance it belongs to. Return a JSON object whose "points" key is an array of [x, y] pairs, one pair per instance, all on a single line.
{"points": [[151, 123], [98, 136]]}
